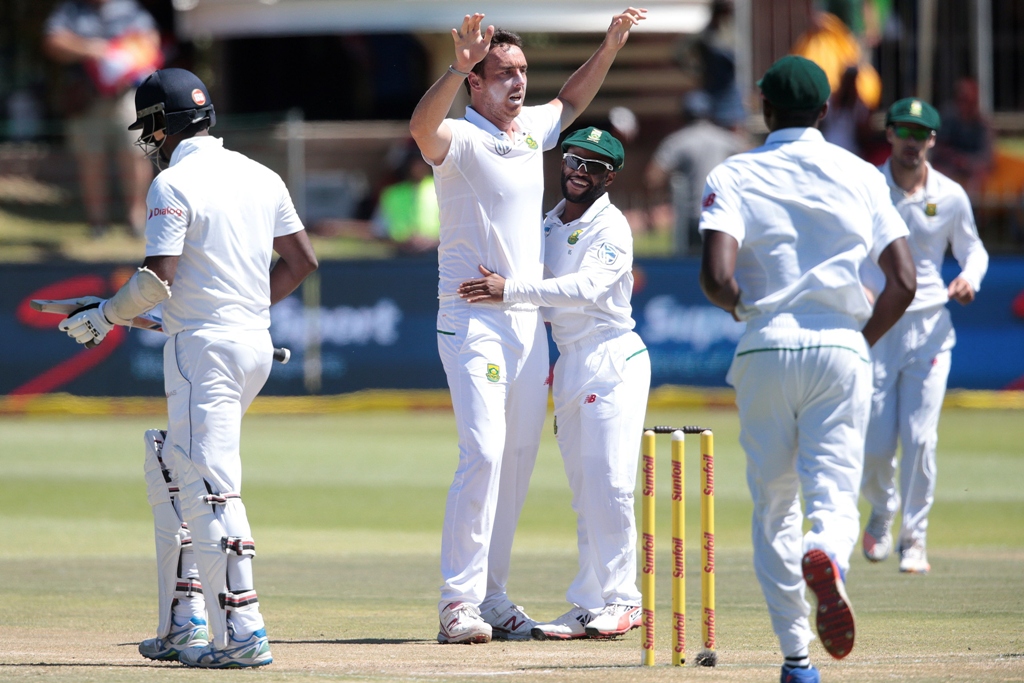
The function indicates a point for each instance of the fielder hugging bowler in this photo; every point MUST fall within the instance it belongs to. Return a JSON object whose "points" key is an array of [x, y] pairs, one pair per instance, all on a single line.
{"points": [[601, 380], [488, 176], [215, 219], [786, 228], [911, 361]]}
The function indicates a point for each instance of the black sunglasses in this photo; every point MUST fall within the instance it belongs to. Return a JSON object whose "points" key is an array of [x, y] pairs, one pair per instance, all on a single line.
{"points": [[919, 134], [580, 164]]}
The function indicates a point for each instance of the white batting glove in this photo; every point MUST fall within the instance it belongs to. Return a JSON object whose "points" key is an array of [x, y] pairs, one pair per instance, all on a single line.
{"points": [[87, 324]]}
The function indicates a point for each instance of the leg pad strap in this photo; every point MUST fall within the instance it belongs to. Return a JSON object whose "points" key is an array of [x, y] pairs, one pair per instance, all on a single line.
{"points": [[232, 601], [186, 588], [238, 545], [220, 498]]}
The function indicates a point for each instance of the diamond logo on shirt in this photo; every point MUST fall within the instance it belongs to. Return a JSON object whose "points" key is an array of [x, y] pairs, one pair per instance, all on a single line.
{"points": [[502, 147], [575, 237], [493, 372], [930, 209], [530, 142]]}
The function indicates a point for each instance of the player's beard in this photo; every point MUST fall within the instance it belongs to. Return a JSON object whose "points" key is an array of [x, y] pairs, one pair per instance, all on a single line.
{"points": [[576, 196]]}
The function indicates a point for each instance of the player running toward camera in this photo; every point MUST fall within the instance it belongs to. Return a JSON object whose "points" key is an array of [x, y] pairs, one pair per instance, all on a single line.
{"points": [[601, 380], [911, 361], [488, 175], [786, 229], [215, 219]]}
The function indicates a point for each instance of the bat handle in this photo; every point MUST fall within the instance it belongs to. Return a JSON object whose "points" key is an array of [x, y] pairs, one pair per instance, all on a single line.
{"points": [[282, 355], [90, 344]]}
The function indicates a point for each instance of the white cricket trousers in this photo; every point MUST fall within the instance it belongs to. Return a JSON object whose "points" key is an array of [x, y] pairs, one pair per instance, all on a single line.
{"points": [[803, 398], [495, 357], [210, 379], [911, 366], [600, 390]]}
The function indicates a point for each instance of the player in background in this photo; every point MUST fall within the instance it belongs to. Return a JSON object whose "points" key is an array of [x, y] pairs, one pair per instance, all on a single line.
{"points": [[601, 380], [215, 219], [488, 173], [911, 361], [786, 228]]}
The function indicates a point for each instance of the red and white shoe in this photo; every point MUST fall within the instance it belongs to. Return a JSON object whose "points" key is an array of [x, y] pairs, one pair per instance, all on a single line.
{"points": [[461, 623], [877, 541], [569, 626], [509, 622], [914, 558], [615, 619], [833, 614]]}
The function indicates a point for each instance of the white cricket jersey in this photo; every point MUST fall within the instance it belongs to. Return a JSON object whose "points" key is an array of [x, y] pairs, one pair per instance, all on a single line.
{"points": [[490, 190], [806, 214], [938, 215], [220, 212], [588, 270]]}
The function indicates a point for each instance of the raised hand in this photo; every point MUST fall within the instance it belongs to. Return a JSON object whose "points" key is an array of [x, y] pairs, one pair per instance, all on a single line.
{"points": [[470, 45], [621, 25]]}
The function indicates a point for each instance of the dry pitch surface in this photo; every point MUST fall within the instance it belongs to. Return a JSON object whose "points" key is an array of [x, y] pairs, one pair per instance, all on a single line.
{"points": [[347, 565]]}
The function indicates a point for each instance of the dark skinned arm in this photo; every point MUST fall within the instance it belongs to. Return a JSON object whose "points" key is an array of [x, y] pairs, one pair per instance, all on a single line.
{"points": [[718, 269], [900, 287], [297, 261]]}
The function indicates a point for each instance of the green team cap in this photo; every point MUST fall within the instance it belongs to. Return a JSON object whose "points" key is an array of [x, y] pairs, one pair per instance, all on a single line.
{"points": [[913, 110], [795, 82], [600, 141]]}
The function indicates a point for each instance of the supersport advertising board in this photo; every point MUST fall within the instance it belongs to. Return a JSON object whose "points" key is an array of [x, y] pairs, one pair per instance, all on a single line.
{"points": [[374, 328]]}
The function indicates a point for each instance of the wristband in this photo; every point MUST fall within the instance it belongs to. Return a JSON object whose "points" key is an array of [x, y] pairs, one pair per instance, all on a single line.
{"points": [[452, 69]]}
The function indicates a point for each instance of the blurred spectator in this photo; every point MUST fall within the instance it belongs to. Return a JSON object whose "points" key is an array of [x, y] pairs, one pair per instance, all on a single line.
{"points": [[830, 44], [711, 55], [684, 159], [407, 214], [963, 148], [108, 47], [848, 123]]}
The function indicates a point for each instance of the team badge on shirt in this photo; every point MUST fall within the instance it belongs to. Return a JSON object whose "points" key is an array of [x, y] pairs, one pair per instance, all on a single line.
{"points": [[575, 237], [607, 254], [530, 142], [493, 372], [708, 201], [930, 209]]}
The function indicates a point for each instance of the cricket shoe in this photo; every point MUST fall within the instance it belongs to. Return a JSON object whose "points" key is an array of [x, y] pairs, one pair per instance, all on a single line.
{"points": [[251, 651], [833, 614], [615, 619], [800, 674], [509, 622], [191, 633], [461, 623], [877, 541], [569, 626], [914, 559]]}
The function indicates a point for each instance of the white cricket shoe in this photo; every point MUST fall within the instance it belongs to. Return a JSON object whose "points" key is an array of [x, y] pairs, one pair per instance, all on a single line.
{"points": [[509, 622], [615, 619], [461, 623], [914, 559], [190, 633], [251, 651], [877, 541], [569, 626]]}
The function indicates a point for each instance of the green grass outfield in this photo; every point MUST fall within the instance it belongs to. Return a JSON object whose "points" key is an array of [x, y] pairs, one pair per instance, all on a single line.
{"points": [[346, 510]]}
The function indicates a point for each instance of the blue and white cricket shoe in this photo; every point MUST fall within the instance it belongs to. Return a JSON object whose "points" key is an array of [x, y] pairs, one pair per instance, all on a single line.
{"points": [[239, 654], [191, 633], [796, 674]]}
